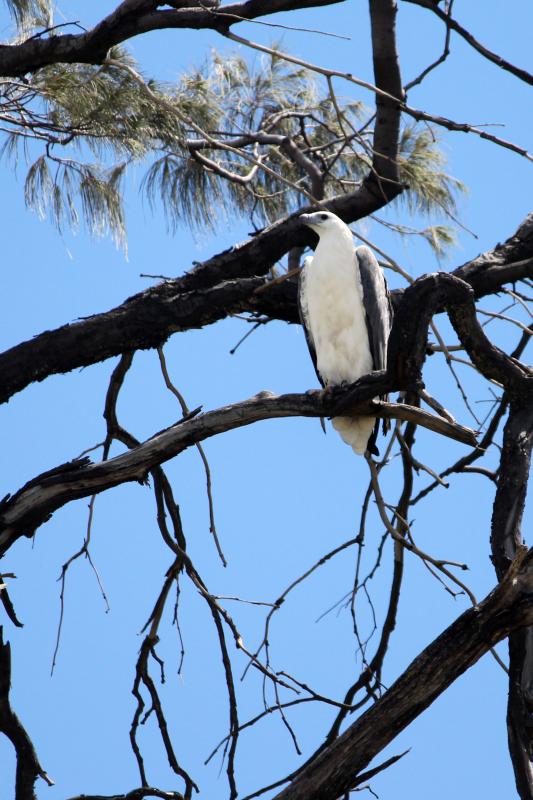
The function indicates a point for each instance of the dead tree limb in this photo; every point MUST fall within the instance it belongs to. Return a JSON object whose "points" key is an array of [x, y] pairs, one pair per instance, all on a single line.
{"points": [[28, 767], [508, 607], [32, 505]]}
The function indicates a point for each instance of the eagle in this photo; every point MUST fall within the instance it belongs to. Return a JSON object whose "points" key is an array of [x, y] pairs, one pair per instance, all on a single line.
{"points": [[345, 311]]}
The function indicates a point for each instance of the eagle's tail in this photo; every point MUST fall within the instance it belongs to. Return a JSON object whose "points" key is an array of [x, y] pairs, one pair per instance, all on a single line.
{"points": [[355, 431]]}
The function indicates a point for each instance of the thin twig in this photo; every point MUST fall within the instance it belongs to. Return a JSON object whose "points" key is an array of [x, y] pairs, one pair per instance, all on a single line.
{"points": [[417, 114], [185, 410]]}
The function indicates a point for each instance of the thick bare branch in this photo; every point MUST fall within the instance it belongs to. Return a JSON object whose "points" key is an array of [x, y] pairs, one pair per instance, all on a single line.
{"points": [[147, 319], [488, 359], [420, 301], [143, 321], [132, 18], [506, 541], [482, 273], [508, 607], [385, 171], [21, 514], [418, 416]]}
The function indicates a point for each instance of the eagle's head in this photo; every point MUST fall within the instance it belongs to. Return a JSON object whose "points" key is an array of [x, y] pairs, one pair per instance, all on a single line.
{"points": [[324, 222]]}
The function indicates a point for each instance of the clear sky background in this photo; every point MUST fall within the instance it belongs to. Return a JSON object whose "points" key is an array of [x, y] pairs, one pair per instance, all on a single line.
{"points": [[284, 493]]}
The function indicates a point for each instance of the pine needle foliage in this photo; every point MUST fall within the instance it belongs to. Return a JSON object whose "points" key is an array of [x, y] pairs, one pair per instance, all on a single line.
{"points": [[69, 184], [29, 14], [439, 238], [232, 137], [421, 168]]}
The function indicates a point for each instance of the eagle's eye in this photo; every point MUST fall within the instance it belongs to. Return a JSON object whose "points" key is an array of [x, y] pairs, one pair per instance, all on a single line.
{"points": [[323, 216]]}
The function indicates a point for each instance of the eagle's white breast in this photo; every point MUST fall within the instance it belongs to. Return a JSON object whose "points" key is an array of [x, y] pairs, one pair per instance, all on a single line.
{"points": [[334, 297], [335, 317]]}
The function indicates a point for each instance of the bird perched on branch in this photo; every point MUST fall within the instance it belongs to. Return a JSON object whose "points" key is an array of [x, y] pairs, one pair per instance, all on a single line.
{"points": [[345, 311]]}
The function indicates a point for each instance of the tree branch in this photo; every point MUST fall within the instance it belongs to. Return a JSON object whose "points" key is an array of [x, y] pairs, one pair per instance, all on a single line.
{"points": [[28, 767], [225, 284], [32, 505], [508, 607], [514, 256], [135, 794], [132, 18], [488, 359], [385, 171], [415, 113], [506, 541], [448, 20]]}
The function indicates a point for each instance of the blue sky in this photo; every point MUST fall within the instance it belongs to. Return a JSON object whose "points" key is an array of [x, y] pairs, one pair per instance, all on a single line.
{"points": [[284, 494]]}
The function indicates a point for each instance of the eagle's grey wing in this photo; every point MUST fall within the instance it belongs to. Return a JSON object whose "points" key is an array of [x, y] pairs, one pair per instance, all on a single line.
{"points": [[377, 305], [304, 315], [378, 316], [304, 319]]}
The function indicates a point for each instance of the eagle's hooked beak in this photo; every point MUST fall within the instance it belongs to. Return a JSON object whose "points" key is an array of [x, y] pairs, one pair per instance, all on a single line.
{"points": [[311, 220]]}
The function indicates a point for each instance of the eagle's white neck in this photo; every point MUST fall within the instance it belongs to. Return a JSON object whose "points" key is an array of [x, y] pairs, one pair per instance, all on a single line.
{"points": [[338, 240], [334, 297]]}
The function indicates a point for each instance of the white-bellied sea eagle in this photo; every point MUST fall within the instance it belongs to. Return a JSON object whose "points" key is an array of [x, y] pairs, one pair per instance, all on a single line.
{"points": [[346, 314]]}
